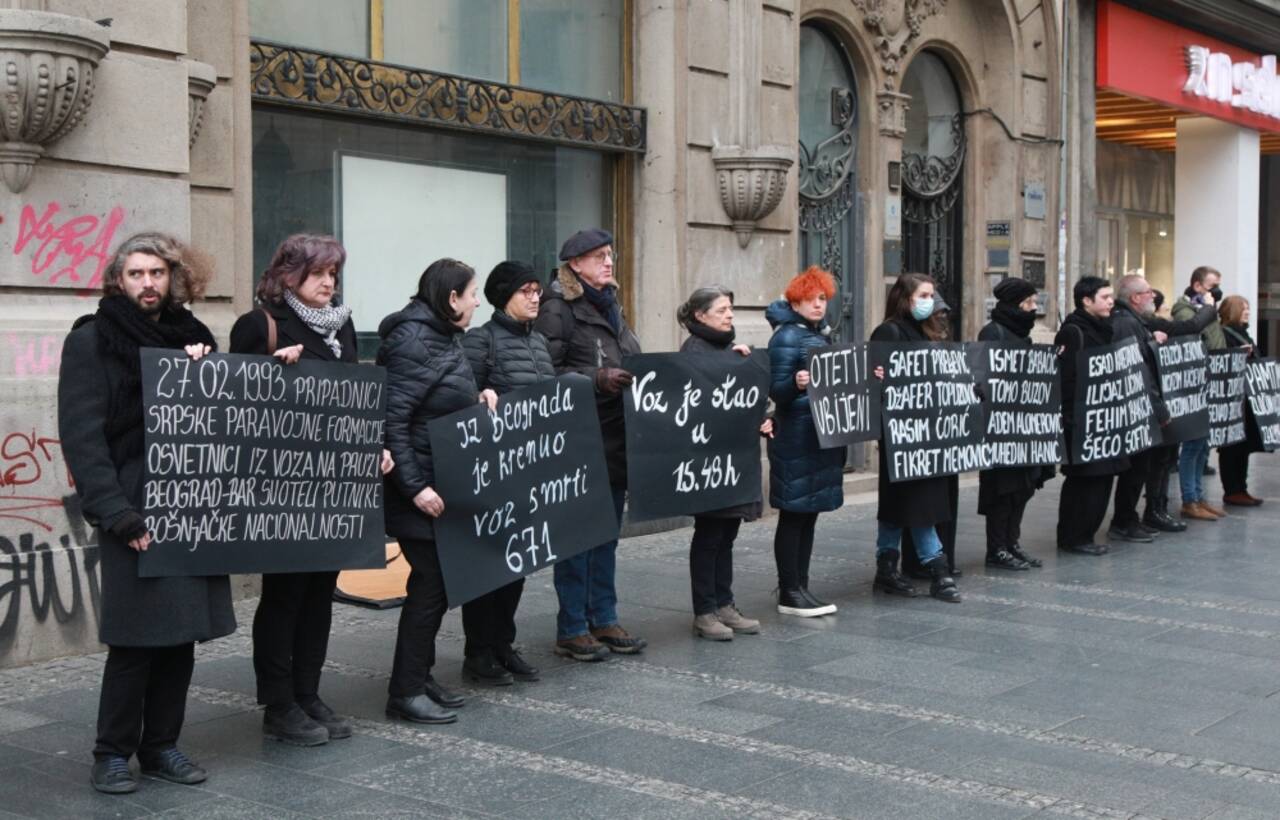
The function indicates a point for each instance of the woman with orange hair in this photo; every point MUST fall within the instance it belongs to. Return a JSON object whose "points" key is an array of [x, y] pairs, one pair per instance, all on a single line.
{"points": [[804, 479]]}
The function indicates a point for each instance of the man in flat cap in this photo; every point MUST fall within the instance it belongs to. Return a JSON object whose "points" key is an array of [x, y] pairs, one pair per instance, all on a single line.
{"points": [[587, 334]]}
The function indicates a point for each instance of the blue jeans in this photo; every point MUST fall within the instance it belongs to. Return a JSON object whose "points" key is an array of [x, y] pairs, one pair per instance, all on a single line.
{"points": [[1191, 463], [584, 585], [928, 545]]}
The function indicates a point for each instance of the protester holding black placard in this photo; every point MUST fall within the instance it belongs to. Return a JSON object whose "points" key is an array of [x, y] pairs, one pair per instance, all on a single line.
{"points": [[150, 625], [1086, 488], [505, 353], [921, 504], [708, 316], [297, 319], [587, 333], [1233, 459], [804, 479], [1003, 493], [1198, 301], [428, 376]]}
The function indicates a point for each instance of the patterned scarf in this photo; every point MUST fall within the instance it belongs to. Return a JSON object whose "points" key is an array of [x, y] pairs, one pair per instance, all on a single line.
{"points": [[325, 321]]}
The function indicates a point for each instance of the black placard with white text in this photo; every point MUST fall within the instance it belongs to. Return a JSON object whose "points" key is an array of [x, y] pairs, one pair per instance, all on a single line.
{"points": [[524, 486], [256, 466], [1113, 412], [1226, 391], [1023, 392], [843, 395], [693, 431], [932, 417], [1263, 377], [1183, 365]]}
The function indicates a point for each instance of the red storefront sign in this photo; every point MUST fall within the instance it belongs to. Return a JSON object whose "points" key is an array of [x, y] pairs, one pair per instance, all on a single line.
{"points": [[1144, 56]]}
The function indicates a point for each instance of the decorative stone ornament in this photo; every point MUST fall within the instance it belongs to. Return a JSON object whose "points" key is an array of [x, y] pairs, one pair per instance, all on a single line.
{"points": [[751, 184], [46, 84], [201, 79]]}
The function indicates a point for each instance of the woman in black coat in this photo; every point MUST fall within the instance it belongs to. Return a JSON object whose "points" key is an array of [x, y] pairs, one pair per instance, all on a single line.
{"points": [[1233, 460], [804, 479], [922, 504], [1003, 492], [708, 316], [297, 319], [505, 354], [428, 376]]}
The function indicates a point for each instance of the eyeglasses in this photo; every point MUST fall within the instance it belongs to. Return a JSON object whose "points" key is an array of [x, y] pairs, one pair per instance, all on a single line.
{"points": [[531, 291], [605, 256]]}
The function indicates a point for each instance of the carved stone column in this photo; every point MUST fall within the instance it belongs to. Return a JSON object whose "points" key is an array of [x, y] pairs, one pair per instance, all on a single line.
{"points": [[47, 63], [201, 79]]}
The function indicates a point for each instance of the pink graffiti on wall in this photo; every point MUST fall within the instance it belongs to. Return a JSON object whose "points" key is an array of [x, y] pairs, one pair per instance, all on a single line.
{"points": [[78, 248], [39, 355], [27, 459]]}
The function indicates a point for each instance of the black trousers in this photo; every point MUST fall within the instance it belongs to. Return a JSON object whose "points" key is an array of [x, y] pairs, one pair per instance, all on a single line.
{"points": [[1004, 520], [946, 530], [424, 607], [793, 547], [489, 621], [711, 562], [1081, 507], [1129, 486], [291, 635], [1233, 467], [143, 700], [1162, 459]]}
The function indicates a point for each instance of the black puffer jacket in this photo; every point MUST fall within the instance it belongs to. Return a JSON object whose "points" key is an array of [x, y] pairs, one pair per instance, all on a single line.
{"points": [[427, 377], [581, 340], [1080, 331], [506, 355]]}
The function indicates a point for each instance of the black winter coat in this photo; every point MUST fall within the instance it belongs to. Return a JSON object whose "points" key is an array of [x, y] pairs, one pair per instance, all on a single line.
{"points": [[249, 335], [427, 377], [1003, 481], [698, 346], [506, 355], [135, 612], [1080, 331], [581, 340], [925, 501], [803, 477]]}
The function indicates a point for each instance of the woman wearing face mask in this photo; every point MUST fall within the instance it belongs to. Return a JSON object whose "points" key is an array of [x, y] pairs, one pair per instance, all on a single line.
{"points": [[1233, 460], [918, 505], [708, 316], [804, 479], [428, 376], [1003, 492]]}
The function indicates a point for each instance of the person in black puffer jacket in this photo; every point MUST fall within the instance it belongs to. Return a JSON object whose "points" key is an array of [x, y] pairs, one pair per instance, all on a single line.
{"points": [[708, 316], [804, 479], [428, 376], [918, 505], [506, 354], [1003, 492]]}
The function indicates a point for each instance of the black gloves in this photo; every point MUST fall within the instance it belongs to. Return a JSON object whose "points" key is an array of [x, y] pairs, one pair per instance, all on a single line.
{"points": [[612, 380]]}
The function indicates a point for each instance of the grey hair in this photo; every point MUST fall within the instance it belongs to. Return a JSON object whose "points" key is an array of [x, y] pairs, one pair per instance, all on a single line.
{"points": [[1128, 286], [700, 301], [188, 270]]}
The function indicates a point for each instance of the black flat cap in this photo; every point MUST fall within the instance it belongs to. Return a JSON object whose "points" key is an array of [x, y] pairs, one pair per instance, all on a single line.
{"points": [[584, 242], [1013, 290]]}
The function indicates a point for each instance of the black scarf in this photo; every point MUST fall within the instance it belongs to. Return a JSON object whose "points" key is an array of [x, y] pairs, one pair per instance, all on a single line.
{"points": [[122, 329], [719, 338], [605, 300], [1014, 318]]}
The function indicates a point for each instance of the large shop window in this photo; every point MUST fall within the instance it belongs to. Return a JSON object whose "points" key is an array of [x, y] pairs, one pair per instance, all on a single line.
{"points": [[343, 27], [400, 197]]}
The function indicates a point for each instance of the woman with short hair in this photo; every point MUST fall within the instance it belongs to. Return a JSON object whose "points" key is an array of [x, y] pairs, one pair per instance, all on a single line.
{"points": [[1233, 459]]}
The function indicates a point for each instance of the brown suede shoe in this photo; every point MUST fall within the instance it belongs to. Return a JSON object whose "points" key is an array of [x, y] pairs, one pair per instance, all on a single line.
{"points": [[1196, 512], [1212, 510], [1241, 500], [619, 640]]}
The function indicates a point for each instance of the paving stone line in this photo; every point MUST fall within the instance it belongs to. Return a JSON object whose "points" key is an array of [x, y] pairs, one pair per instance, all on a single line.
{"points": [[1128, 751], [1127, 617], [485, 752], [1128, 595]]}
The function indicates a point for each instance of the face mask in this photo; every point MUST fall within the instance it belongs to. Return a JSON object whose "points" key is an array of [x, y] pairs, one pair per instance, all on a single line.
{"points": [[1217, 295], [922, 309]]}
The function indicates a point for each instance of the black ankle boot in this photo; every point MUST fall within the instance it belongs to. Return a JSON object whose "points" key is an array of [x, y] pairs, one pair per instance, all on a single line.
{"points": [[485, 669], [888, 579], [944, 586]]}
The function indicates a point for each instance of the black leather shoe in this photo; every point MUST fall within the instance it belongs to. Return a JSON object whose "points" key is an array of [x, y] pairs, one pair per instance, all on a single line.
{"points": [[419, 709], [1007, 560], [816, 602], [446, 698], [943, 586], [1149, 530], [1130, 533], [174, 766], [1085, 549], [888, 579], [289, 724], [519, 668], [336, 726], [1164, 522], [793, 602], [484, 669], [111, 775], [1017, 552]]}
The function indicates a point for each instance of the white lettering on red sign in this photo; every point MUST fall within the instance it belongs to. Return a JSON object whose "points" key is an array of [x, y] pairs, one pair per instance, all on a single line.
{"points": [[1246, 85]]}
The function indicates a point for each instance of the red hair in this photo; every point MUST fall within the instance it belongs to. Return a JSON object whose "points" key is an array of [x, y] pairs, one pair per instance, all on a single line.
{"points": [[809, 284]]}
